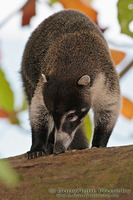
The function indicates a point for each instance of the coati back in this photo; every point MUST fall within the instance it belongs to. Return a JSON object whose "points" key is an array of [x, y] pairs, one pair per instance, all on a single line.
{"points": [[66, 70]]}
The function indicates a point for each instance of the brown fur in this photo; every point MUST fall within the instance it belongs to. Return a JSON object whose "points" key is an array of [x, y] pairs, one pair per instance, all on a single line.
{"points": [[64, 47]]}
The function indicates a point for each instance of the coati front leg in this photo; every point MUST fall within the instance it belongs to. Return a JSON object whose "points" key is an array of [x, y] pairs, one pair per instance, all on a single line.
{"points": [[105, 117], [42, 126], [106, 104], [104, 123]]}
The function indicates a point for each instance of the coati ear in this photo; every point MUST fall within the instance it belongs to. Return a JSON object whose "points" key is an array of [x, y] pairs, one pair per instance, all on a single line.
{"points": [[84, 80], [44, 78]]}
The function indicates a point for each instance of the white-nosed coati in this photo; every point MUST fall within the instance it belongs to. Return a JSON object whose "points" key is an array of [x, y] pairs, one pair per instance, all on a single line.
{"points": [[66, 70]]}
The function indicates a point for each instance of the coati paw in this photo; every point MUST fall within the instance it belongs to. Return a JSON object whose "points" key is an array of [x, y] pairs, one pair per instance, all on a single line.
{"points": [[35, 154]]}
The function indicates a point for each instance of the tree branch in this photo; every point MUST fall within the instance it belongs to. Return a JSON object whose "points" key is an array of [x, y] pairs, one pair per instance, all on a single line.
{"points": [[128, 67]]}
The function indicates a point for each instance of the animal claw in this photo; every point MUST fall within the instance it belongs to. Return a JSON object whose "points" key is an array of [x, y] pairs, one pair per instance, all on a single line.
{"points": [[35, 154]]}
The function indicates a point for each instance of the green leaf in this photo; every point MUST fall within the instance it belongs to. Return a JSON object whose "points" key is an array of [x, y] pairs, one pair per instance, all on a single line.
{"points": [[6, 94], [51, 2], [125, 15], [8, 175], [87, 128], [24, 105]]}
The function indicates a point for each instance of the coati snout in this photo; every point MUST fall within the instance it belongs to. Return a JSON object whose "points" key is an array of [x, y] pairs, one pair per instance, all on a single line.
{"points": [[66, 70]]}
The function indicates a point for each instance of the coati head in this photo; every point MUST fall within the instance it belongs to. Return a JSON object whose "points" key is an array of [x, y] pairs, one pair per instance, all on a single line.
{"points": [[68, 104]]}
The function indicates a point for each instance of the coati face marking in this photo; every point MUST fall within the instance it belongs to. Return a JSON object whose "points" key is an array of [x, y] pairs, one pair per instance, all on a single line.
{"points": [[44, 78], [83, 109], [84, 80], [69, 124], [71, 120], [68, 103]]}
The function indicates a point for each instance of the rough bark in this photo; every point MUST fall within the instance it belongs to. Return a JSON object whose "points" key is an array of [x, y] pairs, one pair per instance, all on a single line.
{"points": [[77, 174]]}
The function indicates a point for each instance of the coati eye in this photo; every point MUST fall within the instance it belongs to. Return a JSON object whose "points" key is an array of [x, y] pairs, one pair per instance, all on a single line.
{"points": [[71, 117]]}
